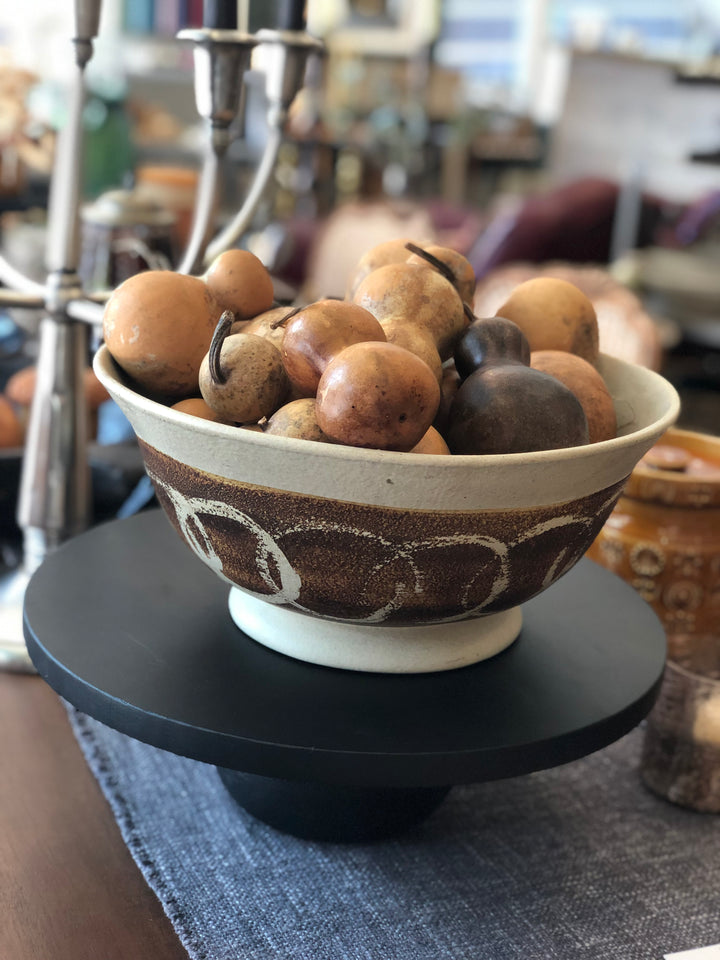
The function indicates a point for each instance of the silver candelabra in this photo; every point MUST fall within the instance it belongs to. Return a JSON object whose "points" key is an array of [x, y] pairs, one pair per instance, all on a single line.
{"points": [[54, 493]]}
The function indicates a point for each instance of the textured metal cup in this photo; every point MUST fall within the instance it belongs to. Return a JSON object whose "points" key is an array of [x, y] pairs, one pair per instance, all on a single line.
{"points": [[681, 750]]}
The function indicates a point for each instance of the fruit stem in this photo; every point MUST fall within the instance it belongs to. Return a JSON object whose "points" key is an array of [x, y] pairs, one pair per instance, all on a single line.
{"points": [[284, 319], [227, 318], [434, 261]]}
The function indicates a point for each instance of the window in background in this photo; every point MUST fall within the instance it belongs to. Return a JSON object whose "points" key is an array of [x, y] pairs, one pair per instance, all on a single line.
{"points": [[500, 45], [482, 39], [660, 29]]}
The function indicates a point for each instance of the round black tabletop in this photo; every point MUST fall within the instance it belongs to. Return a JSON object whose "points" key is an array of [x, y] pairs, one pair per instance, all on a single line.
{"points": [[129, 626]]}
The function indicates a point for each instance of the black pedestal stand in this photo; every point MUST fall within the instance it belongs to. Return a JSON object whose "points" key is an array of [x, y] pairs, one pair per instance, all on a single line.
{"points": [[126, 624], [322, 811]]}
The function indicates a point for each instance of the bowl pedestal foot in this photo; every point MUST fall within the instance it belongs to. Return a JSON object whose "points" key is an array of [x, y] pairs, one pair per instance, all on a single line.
{"points": [[332, 812], [373, 648]]}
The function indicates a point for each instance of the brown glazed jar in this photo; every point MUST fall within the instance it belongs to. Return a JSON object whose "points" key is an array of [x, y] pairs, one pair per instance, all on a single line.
{"points": [[663, 537]]}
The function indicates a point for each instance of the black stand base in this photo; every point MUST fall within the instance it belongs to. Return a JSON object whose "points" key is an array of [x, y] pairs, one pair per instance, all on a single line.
{"points": [[338, 814], [125, 623]]}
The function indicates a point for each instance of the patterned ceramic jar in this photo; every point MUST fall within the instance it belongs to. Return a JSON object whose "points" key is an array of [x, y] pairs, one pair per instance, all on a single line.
{"points": [[663, 537], [382, 561]]}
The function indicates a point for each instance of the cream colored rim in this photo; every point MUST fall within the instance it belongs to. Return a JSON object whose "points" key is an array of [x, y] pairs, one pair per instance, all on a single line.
{"points": [[394, 479]]}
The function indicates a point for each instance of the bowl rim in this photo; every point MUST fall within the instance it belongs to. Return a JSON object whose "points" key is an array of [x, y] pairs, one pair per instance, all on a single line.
{"points": [[110, 374]]}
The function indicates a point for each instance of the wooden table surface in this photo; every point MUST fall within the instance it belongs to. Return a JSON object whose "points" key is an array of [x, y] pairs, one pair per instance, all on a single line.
{"points": [[69, 889]]}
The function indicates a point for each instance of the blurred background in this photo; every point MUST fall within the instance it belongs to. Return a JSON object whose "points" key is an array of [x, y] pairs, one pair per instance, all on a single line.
{"points": [[576, 137]]}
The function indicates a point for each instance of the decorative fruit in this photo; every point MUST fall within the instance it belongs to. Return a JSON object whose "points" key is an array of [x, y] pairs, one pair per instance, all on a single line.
{"points": [[391, 251], [317, 333], [197, 407], [588, 386], [421, 295], [158, 326], [270, 324], [417, 340], [432, 443], [377, 395], [400, 364], [240, 282], [554, 315], [491, 339], [297, 419], [511, 408], [242, 377], [504, 405], [449, 385], [452, 265]]}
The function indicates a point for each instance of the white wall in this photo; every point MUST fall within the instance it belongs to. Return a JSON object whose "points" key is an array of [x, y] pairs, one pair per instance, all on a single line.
{"points": [[38, 37]]}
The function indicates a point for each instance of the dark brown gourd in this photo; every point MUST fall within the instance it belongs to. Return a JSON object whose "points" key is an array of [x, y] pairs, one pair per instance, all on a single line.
{"points": [[503, 405]]}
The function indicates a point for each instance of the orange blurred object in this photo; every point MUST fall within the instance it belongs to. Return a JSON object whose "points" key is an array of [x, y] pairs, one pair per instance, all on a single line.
{"points": [[20, 389], [174, 188], [11, 429]]}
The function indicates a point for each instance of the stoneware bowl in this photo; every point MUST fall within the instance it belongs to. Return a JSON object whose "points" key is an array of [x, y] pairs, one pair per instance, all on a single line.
{"points": [[381, 561]]}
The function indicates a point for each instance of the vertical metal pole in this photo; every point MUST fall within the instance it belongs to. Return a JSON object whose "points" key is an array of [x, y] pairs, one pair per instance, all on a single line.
{"points": [[54, 495], [54, 499]]}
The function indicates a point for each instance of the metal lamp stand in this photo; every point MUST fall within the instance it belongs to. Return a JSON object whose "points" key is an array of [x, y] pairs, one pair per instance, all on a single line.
{"points": [[54, 494]]}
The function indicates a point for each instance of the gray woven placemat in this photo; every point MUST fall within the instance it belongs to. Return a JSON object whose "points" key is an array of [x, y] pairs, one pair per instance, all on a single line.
{"points": [[576, 863]]}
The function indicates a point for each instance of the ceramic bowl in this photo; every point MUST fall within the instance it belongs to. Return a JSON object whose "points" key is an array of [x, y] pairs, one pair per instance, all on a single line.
{"points": [[382, 561]]}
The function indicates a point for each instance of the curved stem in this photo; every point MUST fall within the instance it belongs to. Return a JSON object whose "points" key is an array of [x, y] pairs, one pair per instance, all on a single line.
{"points": [[221, 331], [434, 261], [207, 191], [12, 278], [281, 321], [242, 219]]}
